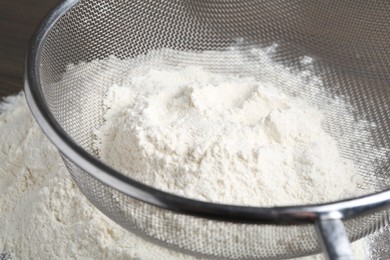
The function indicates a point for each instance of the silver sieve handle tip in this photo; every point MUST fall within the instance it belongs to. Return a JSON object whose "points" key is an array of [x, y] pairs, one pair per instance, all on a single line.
{"points": [[333, 239]]}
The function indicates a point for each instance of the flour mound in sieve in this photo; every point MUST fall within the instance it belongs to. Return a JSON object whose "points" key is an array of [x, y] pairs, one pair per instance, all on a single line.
{"points": [[220, 137]]}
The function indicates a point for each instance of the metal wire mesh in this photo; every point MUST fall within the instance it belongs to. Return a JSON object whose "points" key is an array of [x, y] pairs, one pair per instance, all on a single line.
{"points": [[349, 40]]}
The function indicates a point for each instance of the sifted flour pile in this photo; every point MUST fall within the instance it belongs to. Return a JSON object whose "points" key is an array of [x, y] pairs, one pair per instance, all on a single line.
{"points": [[42, 213], [219, 137]]}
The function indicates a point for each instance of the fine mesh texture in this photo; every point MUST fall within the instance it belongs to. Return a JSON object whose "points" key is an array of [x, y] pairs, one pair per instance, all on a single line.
{"points": [[349, 41]]}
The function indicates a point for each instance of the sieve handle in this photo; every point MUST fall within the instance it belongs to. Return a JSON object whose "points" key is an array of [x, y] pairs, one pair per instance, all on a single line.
{"points": [[333, 239]]}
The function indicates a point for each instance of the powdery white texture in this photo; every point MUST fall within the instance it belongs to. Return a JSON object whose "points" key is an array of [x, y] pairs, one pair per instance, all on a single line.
{"points": [[42, 213], [221, 138]]}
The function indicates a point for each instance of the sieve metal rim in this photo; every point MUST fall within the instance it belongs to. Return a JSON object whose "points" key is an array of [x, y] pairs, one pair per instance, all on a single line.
{"points": [[281, 215]]}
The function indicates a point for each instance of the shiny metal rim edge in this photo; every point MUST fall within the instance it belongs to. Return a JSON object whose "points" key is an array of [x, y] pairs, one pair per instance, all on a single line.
{"points": [[285, 215]]}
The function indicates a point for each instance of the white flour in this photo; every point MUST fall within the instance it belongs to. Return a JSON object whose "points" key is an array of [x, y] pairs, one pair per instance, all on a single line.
{"points": [[220, 138], [42, 213]]}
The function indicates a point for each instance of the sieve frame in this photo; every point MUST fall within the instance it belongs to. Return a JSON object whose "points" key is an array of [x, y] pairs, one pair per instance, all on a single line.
{"points": [[325, 216]]}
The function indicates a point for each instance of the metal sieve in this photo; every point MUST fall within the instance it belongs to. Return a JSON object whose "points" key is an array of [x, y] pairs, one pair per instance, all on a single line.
{"points": [[349, 41]]}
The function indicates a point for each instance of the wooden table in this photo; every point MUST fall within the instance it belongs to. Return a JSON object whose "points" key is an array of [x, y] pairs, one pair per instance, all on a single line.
{"points": [[18, 20]]}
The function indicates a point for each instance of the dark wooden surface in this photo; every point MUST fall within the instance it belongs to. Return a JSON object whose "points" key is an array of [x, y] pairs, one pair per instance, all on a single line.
{"points": [[18, 20]]}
